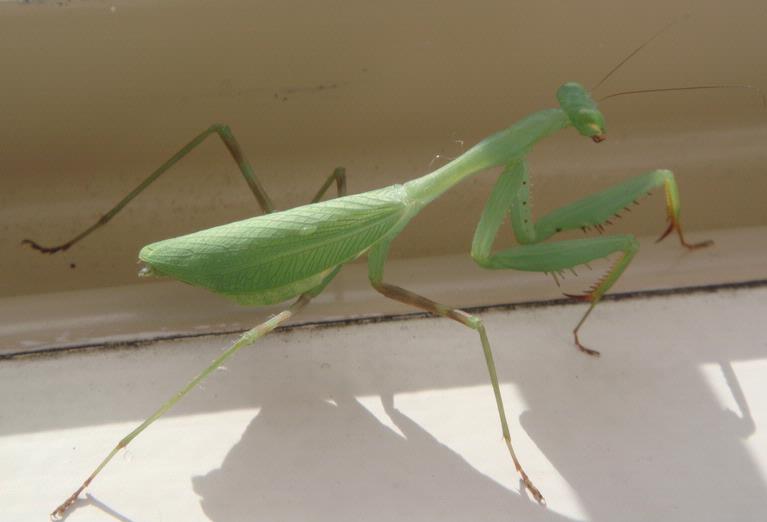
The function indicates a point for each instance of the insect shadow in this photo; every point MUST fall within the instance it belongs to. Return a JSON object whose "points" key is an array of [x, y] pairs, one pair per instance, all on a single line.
{"points": [[338, 462]]}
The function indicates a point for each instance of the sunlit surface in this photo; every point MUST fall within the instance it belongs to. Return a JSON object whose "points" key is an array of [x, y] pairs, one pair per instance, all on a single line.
{"points": [[396, 421]]}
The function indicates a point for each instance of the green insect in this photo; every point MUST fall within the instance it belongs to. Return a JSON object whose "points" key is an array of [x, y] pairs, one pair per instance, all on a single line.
{"points": [[294, 254]]}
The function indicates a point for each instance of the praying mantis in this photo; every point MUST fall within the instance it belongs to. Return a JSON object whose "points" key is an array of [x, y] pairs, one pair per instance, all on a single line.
{"points": [[296, 253]]}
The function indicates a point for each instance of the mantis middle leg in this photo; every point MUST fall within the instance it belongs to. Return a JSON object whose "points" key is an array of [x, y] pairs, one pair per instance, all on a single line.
{"points": [[246, 169], [511, 193], [376, 260]]}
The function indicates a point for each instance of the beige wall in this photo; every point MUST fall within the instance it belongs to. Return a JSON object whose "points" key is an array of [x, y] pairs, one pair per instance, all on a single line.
{"points": [[96, 94]]}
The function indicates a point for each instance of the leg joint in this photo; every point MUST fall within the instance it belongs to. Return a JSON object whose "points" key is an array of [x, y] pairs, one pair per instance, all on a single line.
{"points": [[475, 322], [632, 245], [221, 128], [481, 258]]}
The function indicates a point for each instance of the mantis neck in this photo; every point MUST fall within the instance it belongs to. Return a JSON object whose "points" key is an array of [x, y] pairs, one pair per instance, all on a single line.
{"points": [[501, 148]]}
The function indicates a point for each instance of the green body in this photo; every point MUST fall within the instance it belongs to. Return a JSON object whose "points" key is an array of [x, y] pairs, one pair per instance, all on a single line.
{"points": [[278, 256], [297, 252], [275, 257]]}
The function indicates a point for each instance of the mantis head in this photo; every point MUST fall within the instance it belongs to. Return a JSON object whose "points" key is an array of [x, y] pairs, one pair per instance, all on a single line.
{"points": [[582, 111]]}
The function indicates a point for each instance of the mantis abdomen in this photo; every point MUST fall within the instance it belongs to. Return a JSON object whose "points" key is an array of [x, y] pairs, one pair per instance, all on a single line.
{"points": [[274, 257]]}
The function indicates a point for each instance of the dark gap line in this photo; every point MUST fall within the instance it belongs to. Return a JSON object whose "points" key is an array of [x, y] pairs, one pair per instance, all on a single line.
{"points": [[384, 318]]}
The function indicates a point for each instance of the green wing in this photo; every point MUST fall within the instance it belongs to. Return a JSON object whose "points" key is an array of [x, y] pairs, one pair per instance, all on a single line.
{"points": [[270, 258]]}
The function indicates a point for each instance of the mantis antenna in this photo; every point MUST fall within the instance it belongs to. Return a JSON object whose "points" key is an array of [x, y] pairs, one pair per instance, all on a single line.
{"points": [[638, 49], [669, 89], [762, 94]]}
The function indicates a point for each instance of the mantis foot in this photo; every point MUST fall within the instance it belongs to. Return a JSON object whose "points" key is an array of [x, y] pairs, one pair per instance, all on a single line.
{"points": [[587, 351], [695, 246], [523, 476], [532, 489], [45, 250], [674, 225], [58, 513]]}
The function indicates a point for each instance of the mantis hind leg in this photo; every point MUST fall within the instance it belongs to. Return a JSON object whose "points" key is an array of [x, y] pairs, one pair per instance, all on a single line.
{"points": [[246, 339], [246, 169], [376, 260]]}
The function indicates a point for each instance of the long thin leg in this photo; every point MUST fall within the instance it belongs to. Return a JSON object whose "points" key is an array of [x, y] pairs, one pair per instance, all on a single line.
{"points": [[248, 338], [339, 176], [225, 133], [229, 140], [376, 260]]}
